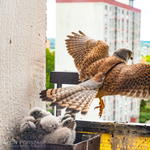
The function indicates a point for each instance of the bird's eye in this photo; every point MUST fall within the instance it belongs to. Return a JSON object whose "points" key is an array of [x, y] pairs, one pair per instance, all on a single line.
{"points": [[68, 121], [130, 54], [26, 132], [36, 112]]}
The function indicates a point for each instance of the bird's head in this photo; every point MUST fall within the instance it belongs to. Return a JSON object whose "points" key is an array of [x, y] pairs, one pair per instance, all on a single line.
{"points": [[65, 117], [124, 54], [36, 112], [69, 123], [26, 129]]}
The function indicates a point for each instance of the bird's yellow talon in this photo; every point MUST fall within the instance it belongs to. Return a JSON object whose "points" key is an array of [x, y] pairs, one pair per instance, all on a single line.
{"points": [[101, 106]]}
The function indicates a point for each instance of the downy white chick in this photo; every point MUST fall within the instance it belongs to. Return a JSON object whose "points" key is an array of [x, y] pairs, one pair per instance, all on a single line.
{"points": [[28, 118], [64, 134], [49, 123], [37, 112], [32, 131], [27, 131]]}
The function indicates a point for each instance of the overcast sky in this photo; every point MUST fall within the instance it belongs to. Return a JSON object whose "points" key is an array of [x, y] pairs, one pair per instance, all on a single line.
{"points": [[144, 5]]}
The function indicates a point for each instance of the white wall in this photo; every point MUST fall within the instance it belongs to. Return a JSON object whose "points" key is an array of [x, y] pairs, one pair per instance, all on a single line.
{"points": [[22, 62], [123, 1]]}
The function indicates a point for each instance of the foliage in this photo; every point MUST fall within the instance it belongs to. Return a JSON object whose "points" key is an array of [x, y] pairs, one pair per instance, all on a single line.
{"points": [[51, 111], [142, 104], [144, 111], [144, 117], [50, 61], [144, 107], [147, 57]]}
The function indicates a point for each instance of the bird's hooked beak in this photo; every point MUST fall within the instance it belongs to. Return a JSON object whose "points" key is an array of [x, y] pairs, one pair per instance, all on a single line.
{"points": [[40, 114], [131, 57], [71, 125]]}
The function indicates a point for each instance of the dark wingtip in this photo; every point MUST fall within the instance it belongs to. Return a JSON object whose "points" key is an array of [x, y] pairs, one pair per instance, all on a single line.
{"points": [[47, 99], [60, 107], [43, 92], [43, 95], [84, 112], [53, 104], [69, 109], [75, 111], [81, 32]]}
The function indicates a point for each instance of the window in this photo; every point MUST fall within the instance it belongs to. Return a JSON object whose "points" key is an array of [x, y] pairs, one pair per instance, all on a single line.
{"points": [[131, 105], [118, 23], [133, 26], [133, 16], [122, 35], [110, 10], [114, 115], [105, 9], [127, 25], [132, 36], [122, 24], [127, 14], [114, 104], [115, 46], [115, 35], [127, 36], [122, 13], [105, 22], [115, 11]]}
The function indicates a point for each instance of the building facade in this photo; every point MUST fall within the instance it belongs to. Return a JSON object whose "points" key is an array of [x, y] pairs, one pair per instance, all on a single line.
{"points": [[116, 23]]}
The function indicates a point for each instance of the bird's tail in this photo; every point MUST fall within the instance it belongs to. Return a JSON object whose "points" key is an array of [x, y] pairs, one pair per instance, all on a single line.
{"points": [[75, 98]]}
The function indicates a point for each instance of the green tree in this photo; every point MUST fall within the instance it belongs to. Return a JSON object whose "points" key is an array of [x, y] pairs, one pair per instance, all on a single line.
{"points": [[147, 57], [142, 104], [50, 61]]}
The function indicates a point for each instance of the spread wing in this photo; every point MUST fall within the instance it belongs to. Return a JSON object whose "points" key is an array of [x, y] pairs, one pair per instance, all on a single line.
{"points": [[129, 80], [85, 50]]}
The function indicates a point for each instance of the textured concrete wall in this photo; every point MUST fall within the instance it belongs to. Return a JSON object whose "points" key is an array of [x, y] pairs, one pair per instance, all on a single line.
{"points": [[22, 62]]}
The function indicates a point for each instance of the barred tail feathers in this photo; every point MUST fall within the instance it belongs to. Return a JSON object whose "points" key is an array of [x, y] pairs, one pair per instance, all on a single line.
{"points": [[75, 98], [80, 105], [60, 93], [76, 102]]}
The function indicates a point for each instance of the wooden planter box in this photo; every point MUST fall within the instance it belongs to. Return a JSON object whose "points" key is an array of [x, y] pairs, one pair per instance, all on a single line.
{"points": [[83, 142]]}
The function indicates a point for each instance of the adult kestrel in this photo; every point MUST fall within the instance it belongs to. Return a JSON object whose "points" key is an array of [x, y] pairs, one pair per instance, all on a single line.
{"points": [[105, 75]]}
